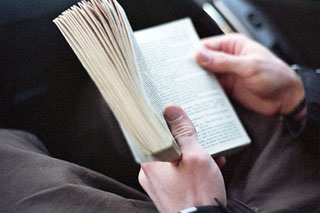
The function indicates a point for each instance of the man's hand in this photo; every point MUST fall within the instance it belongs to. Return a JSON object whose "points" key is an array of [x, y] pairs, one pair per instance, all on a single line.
{"points": [[195, 180], [252, 74]]}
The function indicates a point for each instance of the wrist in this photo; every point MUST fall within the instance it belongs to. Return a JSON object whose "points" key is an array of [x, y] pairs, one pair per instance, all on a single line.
{"points": [[218, 208], [294, 95]]}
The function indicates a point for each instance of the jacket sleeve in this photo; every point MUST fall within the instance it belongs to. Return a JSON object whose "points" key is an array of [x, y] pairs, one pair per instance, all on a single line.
{"points": [[311, 83]]}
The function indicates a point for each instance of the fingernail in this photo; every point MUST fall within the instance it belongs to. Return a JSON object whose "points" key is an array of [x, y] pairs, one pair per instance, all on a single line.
{"points": [[204, 56], [173, 113]]}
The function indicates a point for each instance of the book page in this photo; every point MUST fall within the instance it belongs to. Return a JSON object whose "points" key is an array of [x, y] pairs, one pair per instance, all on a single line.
{"points": [[148, 88], [168, 51]]}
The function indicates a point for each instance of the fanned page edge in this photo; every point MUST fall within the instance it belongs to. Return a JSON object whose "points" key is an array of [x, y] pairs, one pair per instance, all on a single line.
{"points": [[170, 152], [174, 150]]}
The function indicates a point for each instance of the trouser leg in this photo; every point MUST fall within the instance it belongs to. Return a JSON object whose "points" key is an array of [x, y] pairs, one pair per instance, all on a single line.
{"points": [[276, 173], [32, 181]]}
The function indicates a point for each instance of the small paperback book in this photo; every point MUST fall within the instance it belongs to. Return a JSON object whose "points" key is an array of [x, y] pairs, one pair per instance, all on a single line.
{"points": [[139, 74]]}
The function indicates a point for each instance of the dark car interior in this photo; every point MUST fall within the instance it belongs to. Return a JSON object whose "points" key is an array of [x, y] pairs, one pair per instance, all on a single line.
{"points": [[45, 90]]}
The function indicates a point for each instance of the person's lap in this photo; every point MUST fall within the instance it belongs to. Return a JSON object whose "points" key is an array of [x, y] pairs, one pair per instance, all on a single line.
{"points": [[274, 173], [32, 181]]}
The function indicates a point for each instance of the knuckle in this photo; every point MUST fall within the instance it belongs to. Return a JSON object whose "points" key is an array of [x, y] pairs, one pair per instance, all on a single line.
{"points": [[222, 60], [141, 178], [197, 159], [183, 130], [146, 167], [193, 160], [143, 181], [253, 66]]}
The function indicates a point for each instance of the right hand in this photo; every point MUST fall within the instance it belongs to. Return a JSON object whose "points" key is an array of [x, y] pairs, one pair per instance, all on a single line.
{"points": [[194, 180], [251, 74]]}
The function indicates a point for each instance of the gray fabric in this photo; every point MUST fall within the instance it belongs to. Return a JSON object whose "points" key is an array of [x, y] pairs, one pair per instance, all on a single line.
{"points": [[32, 181], [274, 174]]}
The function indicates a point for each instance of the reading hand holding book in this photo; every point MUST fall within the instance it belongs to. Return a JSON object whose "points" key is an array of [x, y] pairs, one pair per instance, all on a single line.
{"points": [[251, 74], [195, 180], [139, 74]]}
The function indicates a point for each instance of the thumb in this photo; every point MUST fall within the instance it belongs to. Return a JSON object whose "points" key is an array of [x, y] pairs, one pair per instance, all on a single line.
{"points": [[181, 127], [220, 62]]}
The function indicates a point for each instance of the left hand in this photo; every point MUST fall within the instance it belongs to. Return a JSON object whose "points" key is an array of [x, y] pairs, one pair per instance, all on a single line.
{"points": [[251, 74], [195, 180]]}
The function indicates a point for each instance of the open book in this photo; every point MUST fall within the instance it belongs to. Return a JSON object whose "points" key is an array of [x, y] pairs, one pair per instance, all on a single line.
{"points": [[140, 73]]}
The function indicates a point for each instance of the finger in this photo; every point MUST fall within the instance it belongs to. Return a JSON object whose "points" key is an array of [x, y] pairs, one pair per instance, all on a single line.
{"points": [[181, 127], [220, 161], [142, 178], [231, 43], [146, 184], [154, 167], [219, 62], [144, 181]]}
